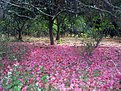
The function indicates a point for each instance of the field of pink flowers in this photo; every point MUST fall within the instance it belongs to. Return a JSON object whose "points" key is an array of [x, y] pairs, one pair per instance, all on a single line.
{"points": [[33, 67]]}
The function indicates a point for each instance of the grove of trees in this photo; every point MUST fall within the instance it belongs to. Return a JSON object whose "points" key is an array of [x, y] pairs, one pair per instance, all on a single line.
{"points": [[59, 17]]}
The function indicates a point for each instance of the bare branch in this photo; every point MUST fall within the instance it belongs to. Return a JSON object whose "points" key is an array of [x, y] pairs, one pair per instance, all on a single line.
{"points": [[20, 15], [29, 9], [111, 5], [99, 9], [59, 12], [55, 16], [15, 5], [38, 9]]}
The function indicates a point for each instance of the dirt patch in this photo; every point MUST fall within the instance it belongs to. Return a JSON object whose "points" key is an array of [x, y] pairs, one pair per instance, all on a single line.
{"points": [[71, 41], [116, 42]]}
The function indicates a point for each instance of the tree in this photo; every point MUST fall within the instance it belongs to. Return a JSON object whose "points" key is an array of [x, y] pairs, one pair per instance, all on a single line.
{"points": [[51, 9], [17, 16], [59, 22], [50, 14]]}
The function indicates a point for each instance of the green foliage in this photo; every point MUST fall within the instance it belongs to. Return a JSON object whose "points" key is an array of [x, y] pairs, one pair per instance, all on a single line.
{"points": [[80, 23], [7, 51], [85, 76], [96, 73], [2, 26], [88, 36], [59, 41], [11, 81], [4, 38], [44, 78], [3, 49], [15, 80], [18, 54], [93, 35], [37, 28]]}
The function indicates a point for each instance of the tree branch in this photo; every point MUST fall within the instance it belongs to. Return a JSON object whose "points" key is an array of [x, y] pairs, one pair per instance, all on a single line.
{"points": [[15, 5], [99, 9], [20, 15], [27, 8], [55, 16], [111, 5], [38, 9]]}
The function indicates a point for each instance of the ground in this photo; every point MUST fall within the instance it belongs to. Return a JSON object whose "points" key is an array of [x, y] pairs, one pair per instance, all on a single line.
{"points": [[62, 67], [116, 42]]}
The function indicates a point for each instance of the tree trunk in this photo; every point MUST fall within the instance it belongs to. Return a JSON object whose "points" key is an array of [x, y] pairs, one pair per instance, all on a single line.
{"points": [[51, 30], [20, 35], [8, 34], [58, 30]]}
